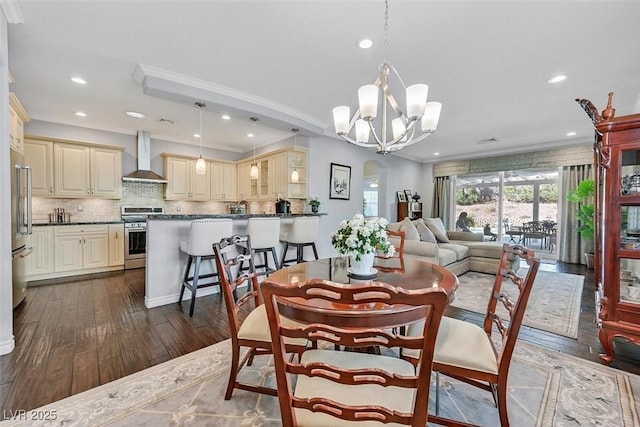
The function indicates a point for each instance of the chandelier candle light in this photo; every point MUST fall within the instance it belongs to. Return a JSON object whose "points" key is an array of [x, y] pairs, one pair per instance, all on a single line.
{"points": [[403, 127], [201, 165]]}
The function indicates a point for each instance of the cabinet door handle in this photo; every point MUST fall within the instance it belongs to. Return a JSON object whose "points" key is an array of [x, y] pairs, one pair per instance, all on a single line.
{"points": [[80, 241], [88, 191], [50, 189], [116, 235]]}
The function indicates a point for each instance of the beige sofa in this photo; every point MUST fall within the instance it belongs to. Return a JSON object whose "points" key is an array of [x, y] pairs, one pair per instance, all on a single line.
{"points": [[458, 251]]}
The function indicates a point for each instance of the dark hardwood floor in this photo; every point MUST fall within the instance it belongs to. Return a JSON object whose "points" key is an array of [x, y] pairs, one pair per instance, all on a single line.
{"points": [[75, 334]]}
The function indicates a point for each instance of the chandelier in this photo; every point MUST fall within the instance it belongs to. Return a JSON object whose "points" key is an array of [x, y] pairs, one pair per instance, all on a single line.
{"points": [[403, 126]]}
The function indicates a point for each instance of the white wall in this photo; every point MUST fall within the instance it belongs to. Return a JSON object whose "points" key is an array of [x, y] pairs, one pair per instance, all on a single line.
{"points": [[6, 292], [427, 189], [401, 174]]}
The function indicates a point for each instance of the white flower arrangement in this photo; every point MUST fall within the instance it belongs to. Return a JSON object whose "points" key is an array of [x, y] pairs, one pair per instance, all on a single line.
{"points": [[360, 236]]}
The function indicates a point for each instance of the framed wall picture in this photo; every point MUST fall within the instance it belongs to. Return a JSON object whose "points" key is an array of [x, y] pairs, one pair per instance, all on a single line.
{"points": [[401, 196], [340, 182], [408, 194]]}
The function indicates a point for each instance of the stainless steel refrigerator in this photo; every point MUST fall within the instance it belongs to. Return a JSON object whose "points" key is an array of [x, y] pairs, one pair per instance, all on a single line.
{"points": [[21, 216]]}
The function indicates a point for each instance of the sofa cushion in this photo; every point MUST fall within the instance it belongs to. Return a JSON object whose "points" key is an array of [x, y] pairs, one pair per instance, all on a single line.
{"points": [[466, 236], [426, 235], [446, 256], [416, 247], [437, 227], [483, 249], [410, 231], [461, 251]]}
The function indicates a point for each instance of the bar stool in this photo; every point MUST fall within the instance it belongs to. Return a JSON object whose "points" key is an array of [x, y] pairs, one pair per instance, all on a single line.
{"points": [[303, 232], [199, 247], [265, 236]]}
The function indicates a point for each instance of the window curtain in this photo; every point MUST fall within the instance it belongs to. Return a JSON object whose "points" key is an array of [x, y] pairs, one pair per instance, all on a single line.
{"points": [[440, 206], [572, 246]]}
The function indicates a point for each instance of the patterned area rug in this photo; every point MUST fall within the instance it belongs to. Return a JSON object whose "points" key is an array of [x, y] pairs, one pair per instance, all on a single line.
{"points": [[545, 389], [554, 303]]}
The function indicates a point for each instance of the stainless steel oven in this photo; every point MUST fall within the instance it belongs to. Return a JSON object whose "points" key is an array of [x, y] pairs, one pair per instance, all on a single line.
{"points": [[135, 234]]}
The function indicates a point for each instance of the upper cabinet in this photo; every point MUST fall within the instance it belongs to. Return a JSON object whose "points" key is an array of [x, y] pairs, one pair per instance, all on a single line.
{"points": [[183, 183], [17, 118], [39, 155], [223, 181], [74, 170], [83, 171], [275, 176]]}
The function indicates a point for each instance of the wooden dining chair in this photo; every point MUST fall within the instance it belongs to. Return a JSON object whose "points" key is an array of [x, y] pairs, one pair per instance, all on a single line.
{"points": [[240, 290], [334, 388], [466, 351], [395, 261]]}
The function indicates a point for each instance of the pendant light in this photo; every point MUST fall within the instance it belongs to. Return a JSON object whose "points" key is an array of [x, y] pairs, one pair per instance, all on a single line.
{"points": [[201, 165], [294, 175], [254, 173]]}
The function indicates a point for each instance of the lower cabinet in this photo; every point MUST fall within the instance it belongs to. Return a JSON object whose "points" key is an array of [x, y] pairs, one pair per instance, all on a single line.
{"points": [[75, 249]]}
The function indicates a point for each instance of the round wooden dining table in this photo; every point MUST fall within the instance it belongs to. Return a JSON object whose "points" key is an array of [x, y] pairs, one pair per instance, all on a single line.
{"points": [[412, 274]]}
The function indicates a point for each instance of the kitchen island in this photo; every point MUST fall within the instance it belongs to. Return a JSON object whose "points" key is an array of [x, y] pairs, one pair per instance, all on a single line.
{"points": [[165, 261]]}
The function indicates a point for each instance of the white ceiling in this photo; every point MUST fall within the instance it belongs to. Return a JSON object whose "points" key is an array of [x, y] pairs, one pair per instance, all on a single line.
{"points": [[488, 62]]}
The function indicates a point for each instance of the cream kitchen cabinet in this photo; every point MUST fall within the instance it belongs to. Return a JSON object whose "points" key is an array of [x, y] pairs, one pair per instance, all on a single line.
{"points": [[17, 118], [297, 160], [183, 183], [87, 171], [80, 247], [244, 181], [116, 244], [39, 155], [223, 181], [277, 175], [40, 261]]}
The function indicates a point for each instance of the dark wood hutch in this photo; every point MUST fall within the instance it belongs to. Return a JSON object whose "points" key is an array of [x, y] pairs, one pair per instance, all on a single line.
{"points": [[617, 156]]}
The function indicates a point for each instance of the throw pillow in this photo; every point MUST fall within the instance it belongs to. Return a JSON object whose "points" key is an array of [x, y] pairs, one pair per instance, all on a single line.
{"points": [[410, 232], [426, 235], [437, 228]]}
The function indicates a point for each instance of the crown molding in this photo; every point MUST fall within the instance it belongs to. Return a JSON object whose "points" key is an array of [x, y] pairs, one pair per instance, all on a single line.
{"points": [[185, 89], [12, 11]]}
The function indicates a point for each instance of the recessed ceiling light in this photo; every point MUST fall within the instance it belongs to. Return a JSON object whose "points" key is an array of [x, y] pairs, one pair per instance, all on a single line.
{"points": [[571, 133], [557, 79], [436, 154], [365, 44], [196, 135], [250, 135], [226, 117], [135, 115], [79, 80], [80, 114]]}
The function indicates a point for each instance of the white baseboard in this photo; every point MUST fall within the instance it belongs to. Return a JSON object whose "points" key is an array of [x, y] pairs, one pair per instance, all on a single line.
{"points": [[7, 346], [172, 299]]}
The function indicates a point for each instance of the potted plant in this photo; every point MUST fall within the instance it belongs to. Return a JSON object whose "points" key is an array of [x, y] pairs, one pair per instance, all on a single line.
{"points": [[583, 195], [315, 204]]}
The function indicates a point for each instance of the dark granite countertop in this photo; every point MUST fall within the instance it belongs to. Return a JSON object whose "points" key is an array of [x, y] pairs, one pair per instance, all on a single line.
{"points": [[36, 224], [190, 217]]}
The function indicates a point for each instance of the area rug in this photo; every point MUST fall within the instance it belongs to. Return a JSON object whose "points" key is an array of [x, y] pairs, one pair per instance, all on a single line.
{"points": [[545, 389], [554, 303]]}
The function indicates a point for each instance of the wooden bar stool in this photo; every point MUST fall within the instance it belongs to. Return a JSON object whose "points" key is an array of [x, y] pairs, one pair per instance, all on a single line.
{"points": [[265, 236], [303, 232], [202, 234]]}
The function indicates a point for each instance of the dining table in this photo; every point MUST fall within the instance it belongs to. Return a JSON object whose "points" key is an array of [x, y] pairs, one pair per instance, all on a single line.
{"points": [[412, 273]]}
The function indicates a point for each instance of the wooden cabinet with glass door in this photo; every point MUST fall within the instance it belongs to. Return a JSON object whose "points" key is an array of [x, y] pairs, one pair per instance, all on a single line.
{"points": [[618, 224]]}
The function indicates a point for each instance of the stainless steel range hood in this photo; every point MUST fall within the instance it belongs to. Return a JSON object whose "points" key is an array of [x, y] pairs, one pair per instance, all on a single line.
{"points": [[144, 172]]}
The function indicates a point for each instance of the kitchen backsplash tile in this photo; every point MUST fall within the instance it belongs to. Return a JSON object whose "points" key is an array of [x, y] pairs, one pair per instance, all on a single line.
{"points": [[141, 194]]}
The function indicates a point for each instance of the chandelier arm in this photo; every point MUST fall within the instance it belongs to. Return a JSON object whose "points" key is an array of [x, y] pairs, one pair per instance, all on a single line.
{"points": [[413, 141], [411, 128], [375, 135], [392, 68], [384, 85], [359, 144]]}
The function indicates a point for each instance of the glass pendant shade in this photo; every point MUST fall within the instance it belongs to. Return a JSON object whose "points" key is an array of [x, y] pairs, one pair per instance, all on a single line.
{"points": [[416, 100], [341, 119], [398, 128], [254, 172], [368, 101], [431, 116], [201, 166], [362, 131], [295, 176]]}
